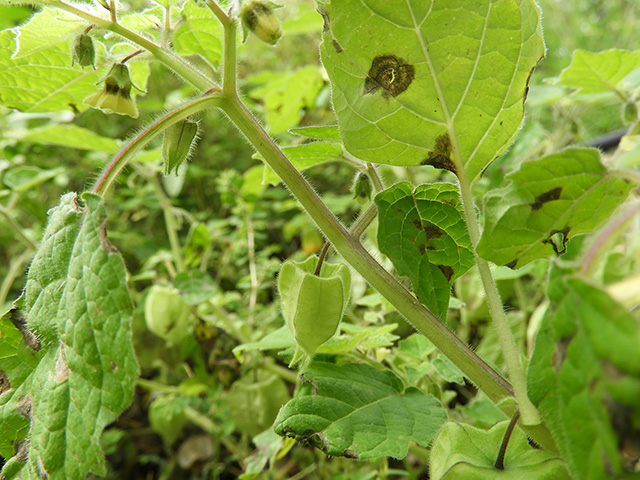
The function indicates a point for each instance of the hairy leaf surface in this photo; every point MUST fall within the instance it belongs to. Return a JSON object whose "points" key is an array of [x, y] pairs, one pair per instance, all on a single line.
{"points": [[78, 375], [584, 377], [360, 412], [548, 201], [430, 83], [423, 233]]}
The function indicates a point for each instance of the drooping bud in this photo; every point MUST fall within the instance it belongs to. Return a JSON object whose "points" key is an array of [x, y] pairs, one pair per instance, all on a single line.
{"points": [[257, 16], [312, 305], [115, 96], [362, 188], [178, 143], [83, 51]]}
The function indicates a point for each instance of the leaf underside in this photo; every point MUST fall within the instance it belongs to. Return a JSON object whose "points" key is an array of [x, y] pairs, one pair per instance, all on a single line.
{"points": [[548, 201], [423, 232], [430, 83]]}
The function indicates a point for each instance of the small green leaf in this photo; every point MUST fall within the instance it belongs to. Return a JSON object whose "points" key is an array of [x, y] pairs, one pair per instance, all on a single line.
{"points": [[463, 452], [430, 83], [423, 233], [447, 370], [330, 133], [416, 345], [23, 178], [285, 94], [72, 136], [77, 303], [198, 33], [584, 377], [548, 201], [313, 305], [602, 72], [360, 412], [305, 156]]}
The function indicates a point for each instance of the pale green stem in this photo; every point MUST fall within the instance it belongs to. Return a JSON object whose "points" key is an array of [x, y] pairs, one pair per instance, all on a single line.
{"points": [[282, 372], [253, 274], [528, 411], [230, 25], [16, 267], [170, 59], [17, 229], [169, 218], [378, 185], [110, 173]]}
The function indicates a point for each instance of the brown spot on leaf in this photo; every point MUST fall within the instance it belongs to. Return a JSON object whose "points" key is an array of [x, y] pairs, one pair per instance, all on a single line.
{"points": [[337, 46], [417, 223], [62, 369], [432, 231], [558, 357], [421, 249], [549, 196], [447, 271], [512, 264], [5, 384], [558, 240], [102, 236], [351, 454], [20, 322], [390, 73], [326, 24], [440, 155], [23, 405]]}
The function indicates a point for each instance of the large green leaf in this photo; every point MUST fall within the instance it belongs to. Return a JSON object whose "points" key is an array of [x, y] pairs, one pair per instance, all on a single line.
{"points": [[548, 201], [601, 72], [584, 377], [360, 412], [199, 32], [438, 83], [467, 453], [423, 233], [41, 78], [71, 136], [81, 376]]}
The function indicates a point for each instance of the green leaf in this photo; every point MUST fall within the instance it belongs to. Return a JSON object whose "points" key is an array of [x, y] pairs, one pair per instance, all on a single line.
{"points": [[77, 303], [423, 233], [305, 156], [602, 72], [23, 178], [467, 453], [447, 370], [584, 377], [549, 200], [360, 412], [276, 340], [285, 94], [198, 33], [72, 136], [47, 30], [436, 83], [329, 133], [43, 80]]}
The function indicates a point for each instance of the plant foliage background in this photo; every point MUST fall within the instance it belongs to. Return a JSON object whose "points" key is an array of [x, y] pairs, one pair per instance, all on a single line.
{"points": [[201, 393]]}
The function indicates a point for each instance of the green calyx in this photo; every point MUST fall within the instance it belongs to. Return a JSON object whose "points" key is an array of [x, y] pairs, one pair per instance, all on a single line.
{"points": [[84, 53], [178, 143], [257, 16], [313, 305]]}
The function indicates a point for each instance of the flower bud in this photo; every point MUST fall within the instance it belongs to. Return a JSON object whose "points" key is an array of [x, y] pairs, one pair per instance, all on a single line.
{"points": [[115, 96], [83, 51], [313, 305], [629, 113], [167, 314], [362, 188], [257, 16], [179, 140]]}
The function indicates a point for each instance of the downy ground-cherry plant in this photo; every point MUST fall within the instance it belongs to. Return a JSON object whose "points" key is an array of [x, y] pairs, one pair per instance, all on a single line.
{"points": [[349, 239]]}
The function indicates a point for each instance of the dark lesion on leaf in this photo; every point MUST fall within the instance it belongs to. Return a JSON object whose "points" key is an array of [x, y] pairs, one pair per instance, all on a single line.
{"points": [[19, 321], [558, 240], [102, 236], [326, 24], [512, 264], [390, 73], [5, 384], [447, 271], [336, 45], [549, 196], [560, 354], [440, 155]]}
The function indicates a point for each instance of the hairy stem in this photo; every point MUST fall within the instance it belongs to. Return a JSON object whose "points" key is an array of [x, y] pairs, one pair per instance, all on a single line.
{"points": [[510, 352], [139, 141]]}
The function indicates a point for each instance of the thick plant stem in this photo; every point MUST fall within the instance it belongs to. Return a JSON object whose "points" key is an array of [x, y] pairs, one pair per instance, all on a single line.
{"points": [[528, 411], [112, 170], [352, 251]]}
